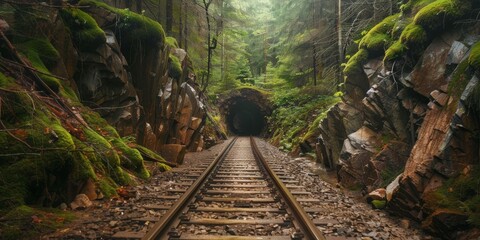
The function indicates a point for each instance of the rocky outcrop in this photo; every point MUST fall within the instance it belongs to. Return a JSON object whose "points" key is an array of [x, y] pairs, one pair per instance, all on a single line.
{"points": [[105, 85], [415, 130], [142, 91]]}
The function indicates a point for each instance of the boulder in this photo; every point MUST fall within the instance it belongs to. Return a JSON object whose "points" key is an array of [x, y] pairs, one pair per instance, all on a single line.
{"points": [[173, 152], [392, 188], [379, 194], [81, 202], [90, 189]]}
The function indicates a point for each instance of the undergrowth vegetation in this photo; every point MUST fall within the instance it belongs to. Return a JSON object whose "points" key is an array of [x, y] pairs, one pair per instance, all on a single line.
{"points": [[461, 194], [297, 116]]}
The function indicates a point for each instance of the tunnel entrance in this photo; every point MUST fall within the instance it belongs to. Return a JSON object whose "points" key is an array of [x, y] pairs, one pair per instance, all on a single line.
{"points": [[245, 119], [245, 111]]}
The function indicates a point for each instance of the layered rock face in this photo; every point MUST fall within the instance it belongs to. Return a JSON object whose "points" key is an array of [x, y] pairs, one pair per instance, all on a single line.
{"points": [[137, 86], [417, 125]]}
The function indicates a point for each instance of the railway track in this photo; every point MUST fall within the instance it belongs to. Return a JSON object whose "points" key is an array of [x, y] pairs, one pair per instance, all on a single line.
{"points": [[238, 196], [239, 200]]}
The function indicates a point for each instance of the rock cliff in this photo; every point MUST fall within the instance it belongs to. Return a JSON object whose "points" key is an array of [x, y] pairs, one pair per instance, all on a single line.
{"points": [[409, 120], [88, 94]]}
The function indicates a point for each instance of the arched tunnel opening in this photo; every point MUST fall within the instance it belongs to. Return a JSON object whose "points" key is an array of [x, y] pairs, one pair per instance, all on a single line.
{"points": [[245, 118], [245, 111]]}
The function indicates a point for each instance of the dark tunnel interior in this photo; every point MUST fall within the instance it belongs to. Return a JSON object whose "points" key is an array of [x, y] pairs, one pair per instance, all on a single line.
{"points": [[244, 118]]}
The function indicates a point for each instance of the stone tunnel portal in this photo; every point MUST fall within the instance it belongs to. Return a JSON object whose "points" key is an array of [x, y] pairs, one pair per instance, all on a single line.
{"points": [[246, 111], [245, 118]]}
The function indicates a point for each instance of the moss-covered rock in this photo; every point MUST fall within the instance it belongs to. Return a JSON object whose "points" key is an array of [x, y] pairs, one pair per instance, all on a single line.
{"points": [[29, 223], [379, 37], [355, 63], [171, 42], [132, 28], [440, 14], [130, 158], [413, 35], [474, 58], [395, 51], [42, 55], [84, 29], [379, 204], [413, 6], [175, 67]]}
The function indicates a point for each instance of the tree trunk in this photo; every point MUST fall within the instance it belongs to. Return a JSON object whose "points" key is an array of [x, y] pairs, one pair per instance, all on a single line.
{"points": [[222, 6], [210, 44], [180, 27], [169, 13], [185, 10], [340, 40], [139, 5], [314, 50]]}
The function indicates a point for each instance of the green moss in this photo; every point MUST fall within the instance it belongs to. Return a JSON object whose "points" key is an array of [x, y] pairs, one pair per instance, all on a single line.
{"points": [[133, 27], [175, 67], [400, 26], [440, 14], [171, 42], [414, 36], [375, 43], [147, 153], [26, 222], [98, 123], [41, 48], [379, 37], [108, 187], [459, 80], [131, 158], [63, 138], [42, 55], [395, 51], [413, 6], [379, 204], [254, 88], [355, 63], [85, 30], [163, 167], [313, 130], [474, 58], [103, 147], [108, 156]]}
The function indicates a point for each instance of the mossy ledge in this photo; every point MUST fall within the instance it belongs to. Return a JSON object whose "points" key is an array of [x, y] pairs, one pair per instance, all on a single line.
{"points": [[84, 29], [132, 28]]}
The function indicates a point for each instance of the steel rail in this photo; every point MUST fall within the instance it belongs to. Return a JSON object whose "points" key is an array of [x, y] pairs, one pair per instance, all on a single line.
{"points": [[308, 227], [162, 227]]}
